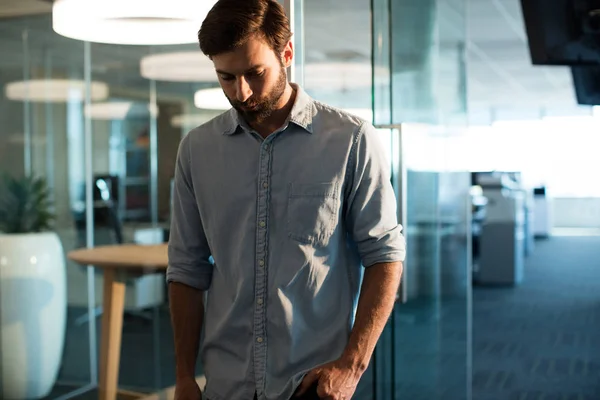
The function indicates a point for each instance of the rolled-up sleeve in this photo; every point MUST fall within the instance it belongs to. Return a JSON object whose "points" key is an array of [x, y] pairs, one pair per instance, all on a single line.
{"points": [[189, 253], [371, 203]]}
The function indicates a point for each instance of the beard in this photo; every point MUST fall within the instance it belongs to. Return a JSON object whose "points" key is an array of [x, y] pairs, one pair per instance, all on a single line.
{"points": [[259, 109]]}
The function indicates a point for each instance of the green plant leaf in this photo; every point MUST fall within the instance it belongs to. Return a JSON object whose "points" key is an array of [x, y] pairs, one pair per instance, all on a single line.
{"points": [[25, 205]]}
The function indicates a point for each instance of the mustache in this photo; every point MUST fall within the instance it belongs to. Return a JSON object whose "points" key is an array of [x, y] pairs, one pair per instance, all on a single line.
{"points": [[246, 104]]}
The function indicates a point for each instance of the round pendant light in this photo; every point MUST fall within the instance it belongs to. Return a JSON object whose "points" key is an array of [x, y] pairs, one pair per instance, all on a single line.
{"points": [[54, 90], [339, 76], [119, 110], [188, 120], [211, 99], [185, 66], [135, 22]]}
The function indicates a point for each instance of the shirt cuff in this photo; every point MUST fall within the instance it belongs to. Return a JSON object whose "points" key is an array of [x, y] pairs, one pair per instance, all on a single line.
{"points": [[200, 281]]}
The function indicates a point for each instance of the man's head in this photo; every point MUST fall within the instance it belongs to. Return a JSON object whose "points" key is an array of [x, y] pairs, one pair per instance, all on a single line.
{"points": [[249, 44]]}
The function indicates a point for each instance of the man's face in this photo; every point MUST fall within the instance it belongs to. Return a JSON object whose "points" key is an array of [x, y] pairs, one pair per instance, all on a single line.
{"points": [[253, 78]]}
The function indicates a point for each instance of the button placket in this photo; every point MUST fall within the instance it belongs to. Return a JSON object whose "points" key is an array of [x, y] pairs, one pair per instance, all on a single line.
{"points": [[260, 351]]}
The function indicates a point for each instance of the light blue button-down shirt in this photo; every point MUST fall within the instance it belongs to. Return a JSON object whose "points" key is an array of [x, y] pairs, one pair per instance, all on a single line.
{"points": [[276, 231]]}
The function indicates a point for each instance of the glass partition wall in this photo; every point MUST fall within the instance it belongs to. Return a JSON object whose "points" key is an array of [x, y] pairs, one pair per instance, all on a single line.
{"points": [[46, 350], [101, 124], [419, 100], [402, 67], [338, 71]]}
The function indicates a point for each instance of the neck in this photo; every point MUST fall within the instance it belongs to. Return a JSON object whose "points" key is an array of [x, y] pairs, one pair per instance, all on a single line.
{"points": [[279, 115]]}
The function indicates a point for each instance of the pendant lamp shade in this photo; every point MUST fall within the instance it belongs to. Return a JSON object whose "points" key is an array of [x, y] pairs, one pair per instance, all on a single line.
{"points": [[130, 22]]}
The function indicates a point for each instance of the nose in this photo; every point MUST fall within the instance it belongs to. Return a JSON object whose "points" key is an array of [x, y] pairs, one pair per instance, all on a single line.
{"points": [[243, 91]]}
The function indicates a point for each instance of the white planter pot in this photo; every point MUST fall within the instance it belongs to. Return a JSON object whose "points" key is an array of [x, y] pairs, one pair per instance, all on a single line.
{"points": [[33, 310]]}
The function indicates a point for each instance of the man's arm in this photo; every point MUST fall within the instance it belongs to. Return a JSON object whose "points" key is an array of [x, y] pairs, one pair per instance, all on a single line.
{"points": [[377, 298], [189, 272], [371, 221], [187, 315], [338, 379]]}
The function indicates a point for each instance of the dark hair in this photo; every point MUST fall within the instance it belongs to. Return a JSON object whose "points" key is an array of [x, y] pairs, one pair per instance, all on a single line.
{"points": [[230, 23]]}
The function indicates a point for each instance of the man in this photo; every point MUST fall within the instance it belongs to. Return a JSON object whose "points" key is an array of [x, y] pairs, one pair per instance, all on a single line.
{"points": [[278, 204]]}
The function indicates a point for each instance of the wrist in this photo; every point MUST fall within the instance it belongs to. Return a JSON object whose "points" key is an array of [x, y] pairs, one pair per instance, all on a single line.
{"points": [[182, 375], [355, 361]]}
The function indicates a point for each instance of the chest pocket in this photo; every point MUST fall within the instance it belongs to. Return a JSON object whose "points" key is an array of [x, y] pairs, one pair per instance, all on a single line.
{"points": [[312, 212]]}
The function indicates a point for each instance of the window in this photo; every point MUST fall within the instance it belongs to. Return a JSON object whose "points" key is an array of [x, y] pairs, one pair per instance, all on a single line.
{"points": [[561, 153]]}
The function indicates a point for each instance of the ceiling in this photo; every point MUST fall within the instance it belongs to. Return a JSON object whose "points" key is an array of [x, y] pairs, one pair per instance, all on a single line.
{"points": [[501, 81]]}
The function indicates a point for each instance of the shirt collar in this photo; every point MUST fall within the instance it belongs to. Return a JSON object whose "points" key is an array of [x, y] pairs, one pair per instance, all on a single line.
{"points": [[302, 114]]}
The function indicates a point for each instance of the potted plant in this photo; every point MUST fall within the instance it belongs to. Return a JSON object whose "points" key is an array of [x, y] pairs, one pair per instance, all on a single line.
{"points": [[33, 303]]}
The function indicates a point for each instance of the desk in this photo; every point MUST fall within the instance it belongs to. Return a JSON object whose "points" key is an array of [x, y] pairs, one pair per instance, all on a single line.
{"points": [[118, 263]]}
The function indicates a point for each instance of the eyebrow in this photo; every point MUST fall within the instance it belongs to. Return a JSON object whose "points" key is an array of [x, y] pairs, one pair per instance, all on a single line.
{"points": [[251, 69]]}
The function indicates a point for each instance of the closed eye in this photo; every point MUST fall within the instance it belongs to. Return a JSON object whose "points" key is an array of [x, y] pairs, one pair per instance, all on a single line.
{"points": [[254, 74]]}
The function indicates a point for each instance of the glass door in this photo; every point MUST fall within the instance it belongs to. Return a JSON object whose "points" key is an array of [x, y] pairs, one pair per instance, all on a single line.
{"points": [[48, 348], [419, 100], [400, 65]]}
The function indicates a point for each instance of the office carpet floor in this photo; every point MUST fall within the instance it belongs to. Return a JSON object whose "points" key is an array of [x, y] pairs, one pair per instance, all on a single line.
{"points": [[541, 340], [537, 341]]}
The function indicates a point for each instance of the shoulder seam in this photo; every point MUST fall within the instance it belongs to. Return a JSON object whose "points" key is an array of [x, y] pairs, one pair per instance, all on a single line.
{"points": [[352, 117]]}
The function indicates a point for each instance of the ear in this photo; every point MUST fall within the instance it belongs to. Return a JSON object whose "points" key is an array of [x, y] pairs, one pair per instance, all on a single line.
{"points": [[287, 55]]}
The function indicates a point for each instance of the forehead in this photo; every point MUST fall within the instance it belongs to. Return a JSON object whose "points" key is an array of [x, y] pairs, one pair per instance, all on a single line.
{"points": [[254, 52]]}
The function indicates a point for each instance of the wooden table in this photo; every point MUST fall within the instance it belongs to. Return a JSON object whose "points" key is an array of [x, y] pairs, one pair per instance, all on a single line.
{"points": [[118, 263]]}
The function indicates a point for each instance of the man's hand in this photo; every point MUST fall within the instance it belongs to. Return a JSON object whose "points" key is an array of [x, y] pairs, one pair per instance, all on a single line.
{"points": [[187, 389], [336, 380]]}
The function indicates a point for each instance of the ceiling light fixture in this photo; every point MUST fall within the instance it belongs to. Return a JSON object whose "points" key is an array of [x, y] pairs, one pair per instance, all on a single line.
{"points": [[54, 90], [211, 99], [119, 110], [188, 120], [135, 22], [185, 66], [339, 76]]}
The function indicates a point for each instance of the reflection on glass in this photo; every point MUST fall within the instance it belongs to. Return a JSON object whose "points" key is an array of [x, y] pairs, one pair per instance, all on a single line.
{"points": [[54, 90], [143, 99], [211, 99], [128, 108], [181, 66], [423, 98], [42, 136]]}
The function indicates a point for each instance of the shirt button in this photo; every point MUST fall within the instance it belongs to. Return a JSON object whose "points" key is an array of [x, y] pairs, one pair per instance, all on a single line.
{"points": [[265, 185], [261, 263], [259, 301], [259, 339], [262, 224], [266, 147]]}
